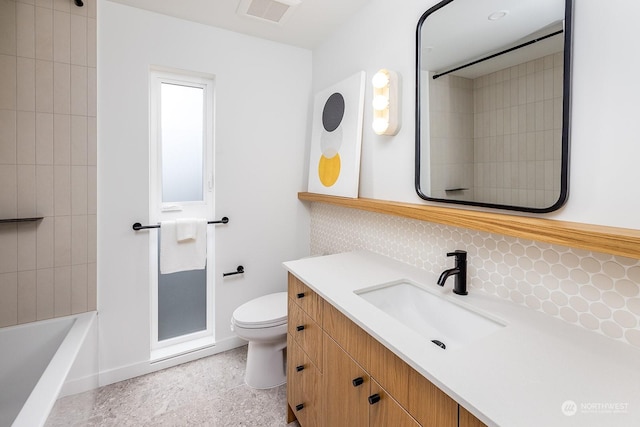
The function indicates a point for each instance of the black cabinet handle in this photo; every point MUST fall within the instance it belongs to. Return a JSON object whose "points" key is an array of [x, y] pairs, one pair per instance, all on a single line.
{"points": [[357, 381], [374, 398], [300, 328], [299, 406], [300, 295], [299, 368]]}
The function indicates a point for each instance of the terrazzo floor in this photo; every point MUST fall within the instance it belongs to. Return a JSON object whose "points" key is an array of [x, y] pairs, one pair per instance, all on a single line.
{"points": [[206, 392]]}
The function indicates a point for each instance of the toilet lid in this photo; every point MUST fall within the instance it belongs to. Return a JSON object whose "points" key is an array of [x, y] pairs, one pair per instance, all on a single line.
{"points": [[262, 312]]}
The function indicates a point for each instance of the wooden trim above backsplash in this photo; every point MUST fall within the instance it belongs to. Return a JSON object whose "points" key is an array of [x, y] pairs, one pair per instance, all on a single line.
{"points": [[598, 238]]}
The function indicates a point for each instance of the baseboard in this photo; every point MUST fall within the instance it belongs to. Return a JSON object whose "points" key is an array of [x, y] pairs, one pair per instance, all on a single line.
{"points": [[134, 370], [79, 385]]}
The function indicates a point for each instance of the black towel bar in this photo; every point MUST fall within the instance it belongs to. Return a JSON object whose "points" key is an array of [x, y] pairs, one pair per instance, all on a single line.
{"points": [[137, 226]]}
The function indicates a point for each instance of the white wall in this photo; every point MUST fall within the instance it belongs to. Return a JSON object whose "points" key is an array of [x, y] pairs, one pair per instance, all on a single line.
{"points": [[262, 132], [262, 101], [604, 149]]}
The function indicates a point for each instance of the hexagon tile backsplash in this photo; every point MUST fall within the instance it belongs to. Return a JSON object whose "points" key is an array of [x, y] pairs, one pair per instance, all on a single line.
{"points": [[596, 291]]}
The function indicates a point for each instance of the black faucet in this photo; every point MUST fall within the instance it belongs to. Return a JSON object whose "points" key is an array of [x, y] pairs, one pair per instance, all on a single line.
{"points": [[459, 271]]}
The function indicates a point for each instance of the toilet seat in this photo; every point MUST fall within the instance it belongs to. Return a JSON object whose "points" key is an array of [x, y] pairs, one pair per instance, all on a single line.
{"points": [[263, 312]]}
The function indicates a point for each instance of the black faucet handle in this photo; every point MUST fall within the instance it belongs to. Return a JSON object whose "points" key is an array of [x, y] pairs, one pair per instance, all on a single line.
{"points": [[458, 254]]}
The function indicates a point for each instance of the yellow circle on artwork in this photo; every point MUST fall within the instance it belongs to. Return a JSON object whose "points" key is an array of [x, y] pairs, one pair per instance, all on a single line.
{"points": [[329, 170]]}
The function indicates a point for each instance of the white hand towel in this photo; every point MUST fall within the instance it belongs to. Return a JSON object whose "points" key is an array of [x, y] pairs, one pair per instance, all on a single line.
{"points": [[187, 255], [186, 229]]}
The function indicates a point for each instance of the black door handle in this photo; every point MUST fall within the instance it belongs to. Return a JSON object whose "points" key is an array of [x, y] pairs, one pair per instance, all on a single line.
{"points": [[357, 381], [300, 328], [374, 398]]}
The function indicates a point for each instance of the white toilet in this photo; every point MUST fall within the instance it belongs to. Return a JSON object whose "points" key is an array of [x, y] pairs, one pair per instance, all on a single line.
{"points": [[263, 322]]}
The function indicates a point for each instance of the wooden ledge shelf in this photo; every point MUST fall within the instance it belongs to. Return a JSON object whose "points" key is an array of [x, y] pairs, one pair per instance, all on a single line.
{"points": [[611, 240]]}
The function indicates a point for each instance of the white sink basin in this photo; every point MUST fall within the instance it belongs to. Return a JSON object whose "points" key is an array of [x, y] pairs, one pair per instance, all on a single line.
{"points": [[430, 315]]}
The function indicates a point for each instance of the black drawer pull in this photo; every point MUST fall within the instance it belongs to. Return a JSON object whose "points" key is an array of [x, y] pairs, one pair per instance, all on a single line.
{"points": [[300, 328], [374, 398], [357, 381], [299, 368], [300, 295], [299, 406]]}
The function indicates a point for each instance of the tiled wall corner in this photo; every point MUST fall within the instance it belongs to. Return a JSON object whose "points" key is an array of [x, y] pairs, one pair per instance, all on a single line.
{"points": [[47, 158], [596, 291]]}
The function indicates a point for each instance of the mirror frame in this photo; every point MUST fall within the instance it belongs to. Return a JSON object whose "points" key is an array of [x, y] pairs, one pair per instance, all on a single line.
{"points": [[566, 117]]}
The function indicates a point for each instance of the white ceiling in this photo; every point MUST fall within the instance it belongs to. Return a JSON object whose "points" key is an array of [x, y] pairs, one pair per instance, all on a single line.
{"points": [[460, 32], [309, 24]]}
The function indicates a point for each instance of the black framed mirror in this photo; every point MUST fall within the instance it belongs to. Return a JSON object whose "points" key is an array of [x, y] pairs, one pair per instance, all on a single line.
{"points": [[493, 96]]}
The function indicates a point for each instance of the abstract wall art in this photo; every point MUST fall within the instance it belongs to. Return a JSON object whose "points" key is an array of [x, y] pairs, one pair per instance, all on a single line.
{"points": [[334, 164]]}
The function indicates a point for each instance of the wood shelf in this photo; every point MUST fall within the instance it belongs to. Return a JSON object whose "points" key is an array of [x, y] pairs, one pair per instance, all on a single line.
{"points": [[611, 240]]}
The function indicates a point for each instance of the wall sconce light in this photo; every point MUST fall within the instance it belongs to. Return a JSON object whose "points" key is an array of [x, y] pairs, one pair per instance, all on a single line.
{"points": [[385, 102]]}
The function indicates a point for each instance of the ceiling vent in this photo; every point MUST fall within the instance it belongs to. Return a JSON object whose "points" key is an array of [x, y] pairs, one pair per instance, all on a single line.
{"points": [[274, 11]]}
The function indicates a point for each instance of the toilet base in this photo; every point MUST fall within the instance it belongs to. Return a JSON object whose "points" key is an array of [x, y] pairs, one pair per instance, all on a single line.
{"points": [[266, 364]]}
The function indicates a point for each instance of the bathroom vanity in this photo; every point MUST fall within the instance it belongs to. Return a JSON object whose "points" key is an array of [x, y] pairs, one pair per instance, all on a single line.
{"points": [[336, 372], [350, 361]]}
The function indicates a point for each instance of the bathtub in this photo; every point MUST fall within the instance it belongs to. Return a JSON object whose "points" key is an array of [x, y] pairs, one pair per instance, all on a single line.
{"points": [[35, 361]]}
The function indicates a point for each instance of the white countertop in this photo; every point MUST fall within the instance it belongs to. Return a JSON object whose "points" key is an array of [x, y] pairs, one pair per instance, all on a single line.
{"points": [[519, 375]]}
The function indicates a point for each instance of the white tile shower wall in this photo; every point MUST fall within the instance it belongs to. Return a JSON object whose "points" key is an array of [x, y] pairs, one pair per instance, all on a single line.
{"points": [[596, 291], [451, 144], [47, 159], [518, 121]]}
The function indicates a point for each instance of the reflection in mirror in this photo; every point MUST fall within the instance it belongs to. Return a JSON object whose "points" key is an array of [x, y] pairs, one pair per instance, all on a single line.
{"points": [[492, 107]]}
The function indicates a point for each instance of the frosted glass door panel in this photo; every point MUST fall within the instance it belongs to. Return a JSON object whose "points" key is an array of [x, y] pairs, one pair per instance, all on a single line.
{"points": [[182, 115], [182, 303]]}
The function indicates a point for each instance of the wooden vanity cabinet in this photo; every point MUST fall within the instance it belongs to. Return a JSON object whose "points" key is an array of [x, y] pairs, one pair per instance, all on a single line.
{"points": [[346, 386], [303, 387], [388, 412], [353, 398], [306, 332], [351, 354], [305, 298], [430, 405], [304, 355], [349, 378]]}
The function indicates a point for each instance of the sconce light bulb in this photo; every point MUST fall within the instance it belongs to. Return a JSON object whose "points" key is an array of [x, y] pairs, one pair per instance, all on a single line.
{"points": [[384, 102], [380, 102], [380, 125], [380, 79]]}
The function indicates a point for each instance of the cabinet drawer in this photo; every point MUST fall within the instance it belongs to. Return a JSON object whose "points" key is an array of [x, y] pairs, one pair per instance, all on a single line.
{"points": [[387, 411], [429, 405], [305, 298], [353, 339], [346, 388], [303, 385], [306, 333], [390, 372]]}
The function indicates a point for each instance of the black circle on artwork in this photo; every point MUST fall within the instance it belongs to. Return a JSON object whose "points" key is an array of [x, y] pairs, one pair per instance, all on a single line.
{"points": [[333, 112]]}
